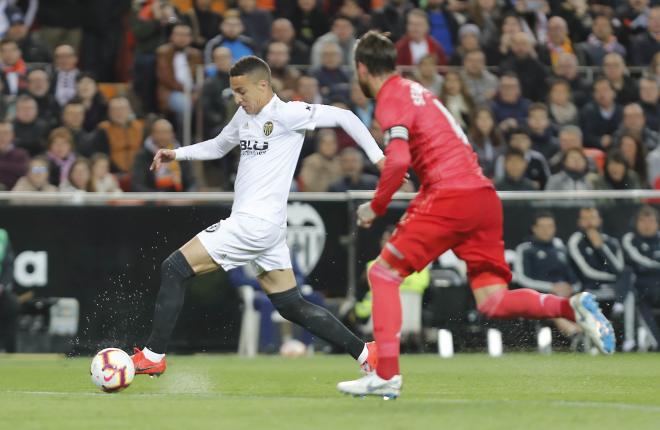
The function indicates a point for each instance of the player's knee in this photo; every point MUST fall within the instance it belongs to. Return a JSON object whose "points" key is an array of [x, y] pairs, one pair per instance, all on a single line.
{"points": [[489, 304], [288, 303], [382, 270], [176, 266]]}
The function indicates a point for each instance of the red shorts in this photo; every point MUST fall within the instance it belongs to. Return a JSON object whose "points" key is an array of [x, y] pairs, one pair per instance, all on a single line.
{"points": [[469, 222]]}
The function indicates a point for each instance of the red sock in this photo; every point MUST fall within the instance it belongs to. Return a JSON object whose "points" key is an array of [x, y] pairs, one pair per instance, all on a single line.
{"points": [[386, 317], [526, 303]]}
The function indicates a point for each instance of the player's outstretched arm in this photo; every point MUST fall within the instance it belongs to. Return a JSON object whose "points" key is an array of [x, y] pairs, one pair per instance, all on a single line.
{"points": [[331, 116]]}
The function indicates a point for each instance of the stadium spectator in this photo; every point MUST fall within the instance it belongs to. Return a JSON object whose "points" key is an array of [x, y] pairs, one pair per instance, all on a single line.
{"points": [[417, 42], [634, 122], [597, 257], [120, 136], [567, 68], [34, 51], [38, 87], [645, 45], [649, 93], [36, 178], [256, 21], [577, 14], [485, 14], [342, 32], [73, 116], [392, 17], [600, 42], [361, 106], [481, 83], [282, 31], [307, 90], [172, 176], [30, 131], [102, 180], [600, 118], [634, 153], [14, 69], [353, 176], [66, 73], [530, 71], [79, 178], [149, 24], [333, 81], [614, 69], [574, 175], [231, 36], [500, 47], [508, 106], [426, 73], [541, 131], [13, 161], [443, 26], [103, 36], [559, 41], [176, 62], [9, 303], [322, 168], [544, 266], [616, 174], [570, 137], [310, 20], [61, 155], [537, 166], [468, 41], [514, 179], [203, 21], [653, 167], [486, 139], [96, 109], [457, 99], [633, 16], [354, 10], [561, 109], [641, 248], [277, 57], [214, 106]]}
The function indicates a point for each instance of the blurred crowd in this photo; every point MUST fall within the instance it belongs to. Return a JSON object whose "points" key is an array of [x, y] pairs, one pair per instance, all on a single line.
{"points": [[553, 94]]}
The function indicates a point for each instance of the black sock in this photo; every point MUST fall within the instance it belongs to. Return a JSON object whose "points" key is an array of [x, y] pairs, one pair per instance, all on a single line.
{"points": [[173, 272], [319, 321]]}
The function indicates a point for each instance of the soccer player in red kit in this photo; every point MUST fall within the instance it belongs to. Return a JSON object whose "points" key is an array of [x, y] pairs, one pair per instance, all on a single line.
{"points": [[456, 208]]}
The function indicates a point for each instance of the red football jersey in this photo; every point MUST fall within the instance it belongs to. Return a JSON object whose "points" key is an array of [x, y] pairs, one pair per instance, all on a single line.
{"points": [[440, 152]]}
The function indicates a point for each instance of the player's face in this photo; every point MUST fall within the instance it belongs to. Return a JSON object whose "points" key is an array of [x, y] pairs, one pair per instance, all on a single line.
{"points": [[249, 93], [544, 229], [589, 218]]}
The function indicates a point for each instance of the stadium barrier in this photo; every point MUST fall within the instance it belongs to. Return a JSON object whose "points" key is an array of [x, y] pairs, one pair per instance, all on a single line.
{"points": [[105, 251]]}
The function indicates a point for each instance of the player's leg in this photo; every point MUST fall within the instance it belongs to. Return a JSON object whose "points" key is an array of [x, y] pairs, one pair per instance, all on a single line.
{"points": [[280, 285], [418, 239], [190, 260], [489, 275]]}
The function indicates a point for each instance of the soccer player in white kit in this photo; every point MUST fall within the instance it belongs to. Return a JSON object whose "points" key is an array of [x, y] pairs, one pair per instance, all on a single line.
{"points": [[270, 133]]}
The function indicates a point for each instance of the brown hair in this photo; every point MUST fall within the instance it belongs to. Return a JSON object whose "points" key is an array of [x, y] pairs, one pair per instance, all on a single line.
{"points": [[60, 132], [376, 52]]}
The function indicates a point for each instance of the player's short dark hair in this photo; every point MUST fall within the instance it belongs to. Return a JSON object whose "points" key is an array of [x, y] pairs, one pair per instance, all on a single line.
{"points": [[540, 215], [376, 52], [250, 65]]}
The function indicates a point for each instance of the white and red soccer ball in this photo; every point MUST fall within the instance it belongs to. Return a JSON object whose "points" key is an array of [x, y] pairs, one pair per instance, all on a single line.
{"points": [[112, 370]]}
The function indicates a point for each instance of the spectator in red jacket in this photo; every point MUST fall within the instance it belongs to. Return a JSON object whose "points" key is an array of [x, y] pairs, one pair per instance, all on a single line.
{"points": [[417, 42]]}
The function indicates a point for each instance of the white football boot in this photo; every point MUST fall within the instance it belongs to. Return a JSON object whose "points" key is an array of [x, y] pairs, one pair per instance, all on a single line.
{"points": [[373, 385], [589, 316]]}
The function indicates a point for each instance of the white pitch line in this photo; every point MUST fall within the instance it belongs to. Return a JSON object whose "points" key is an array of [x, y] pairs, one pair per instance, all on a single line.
{"points": [[564, 403]]}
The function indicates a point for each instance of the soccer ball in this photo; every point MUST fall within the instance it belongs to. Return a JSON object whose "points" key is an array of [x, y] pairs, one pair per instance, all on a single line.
{"points": [[112, 370]]}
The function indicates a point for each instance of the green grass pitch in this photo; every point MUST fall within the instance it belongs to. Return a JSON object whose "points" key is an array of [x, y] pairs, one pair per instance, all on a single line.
{"points": [[469, 391]]}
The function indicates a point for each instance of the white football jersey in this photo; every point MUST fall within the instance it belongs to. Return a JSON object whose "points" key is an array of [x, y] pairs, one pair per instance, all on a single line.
{"points": [[270, 144]]}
